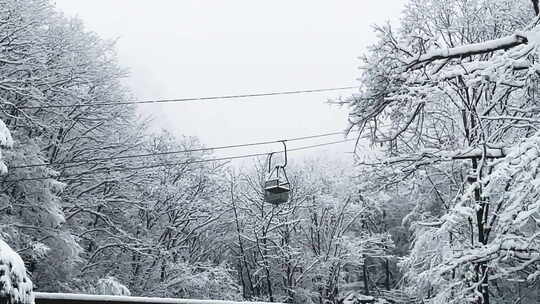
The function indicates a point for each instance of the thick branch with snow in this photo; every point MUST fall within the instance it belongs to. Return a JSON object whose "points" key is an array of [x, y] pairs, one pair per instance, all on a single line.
{"points": [[481, 153], [470, 50]]}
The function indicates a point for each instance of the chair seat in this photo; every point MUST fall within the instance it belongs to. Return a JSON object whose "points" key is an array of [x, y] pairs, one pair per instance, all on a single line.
{"points": [[276, 198], [274, 186]]}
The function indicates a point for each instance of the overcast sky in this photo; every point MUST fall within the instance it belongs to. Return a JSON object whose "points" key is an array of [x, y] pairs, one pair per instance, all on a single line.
{"points": [[195, 48]]}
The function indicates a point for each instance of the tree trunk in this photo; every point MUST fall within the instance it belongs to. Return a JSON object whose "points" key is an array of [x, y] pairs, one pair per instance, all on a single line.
{"points": [[242, 251], [481, 268], [365, 277], [387, 271]]}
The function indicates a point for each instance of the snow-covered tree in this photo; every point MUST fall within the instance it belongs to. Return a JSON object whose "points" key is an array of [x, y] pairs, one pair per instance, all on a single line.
{"points": [[451, 95], [76, 204], [50, 62]]}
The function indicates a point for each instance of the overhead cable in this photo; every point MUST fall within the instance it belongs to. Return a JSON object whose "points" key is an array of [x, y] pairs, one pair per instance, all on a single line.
{"points": [[174, 100], [90, 160], [108, 170]]}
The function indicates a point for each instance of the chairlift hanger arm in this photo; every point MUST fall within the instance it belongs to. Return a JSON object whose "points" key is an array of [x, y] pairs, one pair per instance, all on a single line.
{"points": [[285, 151], [272, 154], [270, 161]]}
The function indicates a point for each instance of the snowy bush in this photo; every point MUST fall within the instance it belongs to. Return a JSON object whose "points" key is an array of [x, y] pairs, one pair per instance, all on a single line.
{"points": [[203, 282], [110, 286]]}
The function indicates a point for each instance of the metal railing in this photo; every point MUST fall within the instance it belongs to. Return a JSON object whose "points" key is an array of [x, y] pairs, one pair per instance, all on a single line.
{"points": [[72, 298]]}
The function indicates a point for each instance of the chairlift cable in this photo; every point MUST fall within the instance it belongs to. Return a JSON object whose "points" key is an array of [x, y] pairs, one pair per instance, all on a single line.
{"points": [[174, 100], [83, 161], [108, 170]]}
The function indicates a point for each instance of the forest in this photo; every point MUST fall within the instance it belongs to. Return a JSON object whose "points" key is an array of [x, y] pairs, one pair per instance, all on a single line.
{"points": [[445, 207]]}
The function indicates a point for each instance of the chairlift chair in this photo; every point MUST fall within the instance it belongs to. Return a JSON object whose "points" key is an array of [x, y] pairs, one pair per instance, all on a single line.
{"points": [[277, 186]]}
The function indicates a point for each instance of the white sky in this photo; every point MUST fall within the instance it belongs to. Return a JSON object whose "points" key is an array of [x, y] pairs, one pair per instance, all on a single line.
{"points": [[195, 48]]}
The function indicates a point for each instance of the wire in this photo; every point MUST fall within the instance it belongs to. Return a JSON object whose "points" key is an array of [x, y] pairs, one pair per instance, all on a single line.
{"points": [[98, 104], [176, 152], [108, 170]]}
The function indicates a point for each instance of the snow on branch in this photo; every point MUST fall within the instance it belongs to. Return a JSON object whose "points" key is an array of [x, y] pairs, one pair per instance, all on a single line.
{"points": [[5, 142], [5, 136], [479, 153], [14, 283], [470, 50], [430, 156]]}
